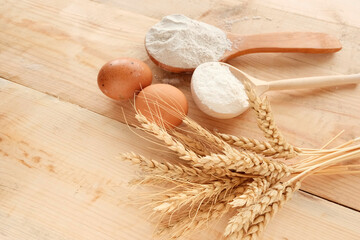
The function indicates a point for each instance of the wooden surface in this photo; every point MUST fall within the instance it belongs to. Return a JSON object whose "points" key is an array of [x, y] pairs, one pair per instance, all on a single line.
{"points": [[59, 136]]}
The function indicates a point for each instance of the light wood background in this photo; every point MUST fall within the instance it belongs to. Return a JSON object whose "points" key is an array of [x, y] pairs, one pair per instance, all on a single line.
{"points": [[59, 136]]}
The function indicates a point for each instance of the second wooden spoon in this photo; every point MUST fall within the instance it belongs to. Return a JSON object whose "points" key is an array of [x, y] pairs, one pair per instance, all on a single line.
{"points": [[298, 42]]}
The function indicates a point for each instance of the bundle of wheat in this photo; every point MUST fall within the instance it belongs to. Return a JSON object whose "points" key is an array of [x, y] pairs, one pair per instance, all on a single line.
{"points": [[215, 173]]}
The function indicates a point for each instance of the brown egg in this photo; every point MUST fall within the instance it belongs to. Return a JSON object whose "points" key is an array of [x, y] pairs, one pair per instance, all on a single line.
{"points": [[120, 78], [163, 104]]}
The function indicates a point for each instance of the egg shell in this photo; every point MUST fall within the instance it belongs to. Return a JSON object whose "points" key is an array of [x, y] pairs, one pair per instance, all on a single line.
{"points": [[121, 78], [163, 104]]}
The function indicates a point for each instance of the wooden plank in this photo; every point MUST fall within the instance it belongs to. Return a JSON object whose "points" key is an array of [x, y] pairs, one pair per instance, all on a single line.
{"points": [[57, 47], [343, 12], [330, 11], [158, 9], [60, 179], [303, 208]]}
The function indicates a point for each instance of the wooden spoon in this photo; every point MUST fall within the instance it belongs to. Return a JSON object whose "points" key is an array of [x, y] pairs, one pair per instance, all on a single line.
{"points": [[298, 42], [262, 86]]}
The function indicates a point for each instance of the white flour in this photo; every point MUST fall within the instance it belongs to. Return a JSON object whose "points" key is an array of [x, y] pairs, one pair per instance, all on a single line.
{"points": [[179, 41], [217, 92]]}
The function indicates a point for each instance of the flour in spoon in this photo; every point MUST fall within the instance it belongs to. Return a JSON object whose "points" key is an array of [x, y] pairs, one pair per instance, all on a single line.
{"points": [[181, 42], [217, 92]]}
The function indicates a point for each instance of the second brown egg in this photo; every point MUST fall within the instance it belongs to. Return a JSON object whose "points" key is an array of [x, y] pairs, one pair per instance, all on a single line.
{"points": [[163, 104]]}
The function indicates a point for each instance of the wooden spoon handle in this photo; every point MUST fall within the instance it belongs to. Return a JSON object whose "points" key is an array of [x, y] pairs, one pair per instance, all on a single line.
{"points": [[313, 82], [304, 42]]}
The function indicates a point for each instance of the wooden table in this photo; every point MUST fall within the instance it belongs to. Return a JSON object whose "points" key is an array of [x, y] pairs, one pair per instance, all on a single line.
{"points": [[60, 137]]}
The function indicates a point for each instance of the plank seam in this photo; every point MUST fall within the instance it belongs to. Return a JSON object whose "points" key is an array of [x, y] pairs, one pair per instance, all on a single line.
{"points": [[332, 201]]}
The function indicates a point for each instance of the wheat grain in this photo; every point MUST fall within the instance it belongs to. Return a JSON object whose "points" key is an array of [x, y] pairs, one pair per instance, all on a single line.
{"points": [[252, 193], [192, 143]]}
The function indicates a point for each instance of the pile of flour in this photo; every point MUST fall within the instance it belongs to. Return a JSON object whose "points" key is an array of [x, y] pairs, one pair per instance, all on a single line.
{"points": [[181, 42], [217, 92]]}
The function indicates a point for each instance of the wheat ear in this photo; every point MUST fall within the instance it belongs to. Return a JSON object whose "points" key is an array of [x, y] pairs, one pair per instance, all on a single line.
{"points": [[251, 163], [247, 215], [179, 148], [259, 225], [254, 145], [200, 193], [235, 230], [202, 216], [267, 124], [166, 169], [161, 134]]}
